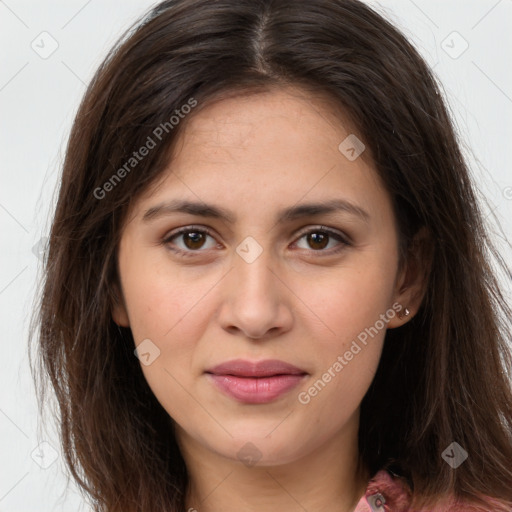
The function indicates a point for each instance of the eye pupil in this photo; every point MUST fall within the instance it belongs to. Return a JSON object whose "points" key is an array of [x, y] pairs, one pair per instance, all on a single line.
{"points": [[194, 237], [320, 238]]}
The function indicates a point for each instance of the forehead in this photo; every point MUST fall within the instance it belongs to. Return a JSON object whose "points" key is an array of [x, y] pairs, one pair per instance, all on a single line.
{"points": [[277, 117], [275, 147]]}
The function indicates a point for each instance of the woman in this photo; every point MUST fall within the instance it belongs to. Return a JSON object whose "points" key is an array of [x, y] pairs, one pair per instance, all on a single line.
{"points": [[269, 281]]}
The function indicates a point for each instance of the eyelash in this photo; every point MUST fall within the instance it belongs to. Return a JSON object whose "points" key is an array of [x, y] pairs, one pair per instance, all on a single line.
{"points": [[203, 230]]}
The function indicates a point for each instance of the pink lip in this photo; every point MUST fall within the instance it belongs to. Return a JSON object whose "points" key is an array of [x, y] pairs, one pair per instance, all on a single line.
{"points": [[255, 382]]}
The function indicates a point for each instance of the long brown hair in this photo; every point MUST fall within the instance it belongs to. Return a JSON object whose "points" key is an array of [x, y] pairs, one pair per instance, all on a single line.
{"points": [[443, 377]]}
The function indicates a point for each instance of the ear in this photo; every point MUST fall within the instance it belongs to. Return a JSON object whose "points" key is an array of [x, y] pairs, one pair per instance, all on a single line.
{"points": [[119, 311], [411, 283]]}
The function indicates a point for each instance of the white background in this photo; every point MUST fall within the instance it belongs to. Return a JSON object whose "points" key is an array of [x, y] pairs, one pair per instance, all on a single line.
{"points": [[38, 99]]}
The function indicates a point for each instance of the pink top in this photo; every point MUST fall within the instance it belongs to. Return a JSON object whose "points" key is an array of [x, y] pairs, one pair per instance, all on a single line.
{"points": [[386, 493]]}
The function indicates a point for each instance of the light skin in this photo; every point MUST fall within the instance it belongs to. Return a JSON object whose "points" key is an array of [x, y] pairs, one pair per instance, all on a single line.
{"points": [[299, 301]]}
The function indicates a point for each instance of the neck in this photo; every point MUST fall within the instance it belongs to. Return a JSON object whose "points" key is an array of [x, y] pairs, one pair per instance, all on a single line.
{"points": [[330, 478]]}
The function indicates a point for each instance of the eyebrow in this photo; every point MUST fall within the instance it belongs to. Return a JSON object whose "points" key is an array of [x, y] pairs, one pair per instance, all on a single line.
{"points": [[286, 215]]}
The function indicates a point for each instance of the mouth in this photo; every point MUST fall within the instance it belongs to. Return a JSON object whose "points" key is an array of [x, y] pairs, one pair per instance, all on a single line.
{"points": [[255, 382], [258, 369]]}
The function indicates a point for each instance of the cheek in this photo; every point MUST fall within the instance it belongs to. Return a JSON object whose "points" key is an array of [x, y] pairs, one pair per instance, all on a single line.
{"points": [[173, 320], [172, 316], [351, 300], [160, 301], [350, 331], [348, 346]]}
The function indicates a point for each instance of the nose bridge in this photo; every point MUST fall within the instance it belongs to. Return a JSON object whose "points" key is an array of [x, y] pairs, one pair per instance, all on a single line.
{"points": [[254, 302], [253, 277]]}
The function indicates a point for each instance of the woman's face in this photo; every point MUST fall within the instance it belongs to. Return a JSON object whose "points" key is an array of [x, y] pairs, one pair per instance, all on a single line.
{"points": [[271, 280]]}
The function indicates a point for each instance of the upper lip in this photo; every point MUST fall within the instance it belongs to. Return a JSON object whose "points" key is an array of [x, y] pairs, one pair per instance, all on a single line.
{"points": [[266, 368]]}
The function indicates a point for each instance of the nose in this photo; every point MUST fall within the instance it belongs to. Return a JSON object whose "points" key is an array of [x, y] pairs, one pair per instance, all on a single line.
{"points": [[256, 300]]}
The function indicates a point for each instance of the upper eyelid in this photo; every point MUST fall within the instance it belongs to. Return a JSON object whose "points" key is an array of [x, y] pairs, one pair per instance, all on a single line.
{"points": [[321, 227]]}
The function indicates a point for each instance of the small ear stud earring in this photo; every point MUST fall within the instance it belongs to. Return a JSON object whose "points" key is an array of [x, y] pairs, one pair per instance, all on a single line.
{"points": [[403, 313]]}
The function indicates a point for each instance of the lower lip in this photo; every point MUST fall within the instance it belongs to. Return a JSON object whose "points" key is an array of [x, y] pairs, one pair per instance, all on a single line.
{"points": [[256, 390]]}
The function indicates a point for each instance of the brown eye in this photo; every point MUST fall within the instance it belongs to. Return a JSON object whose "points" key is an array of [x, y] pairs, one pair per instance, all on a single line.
{"points": [[319, 238], [189, 240], [193, 239]]}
